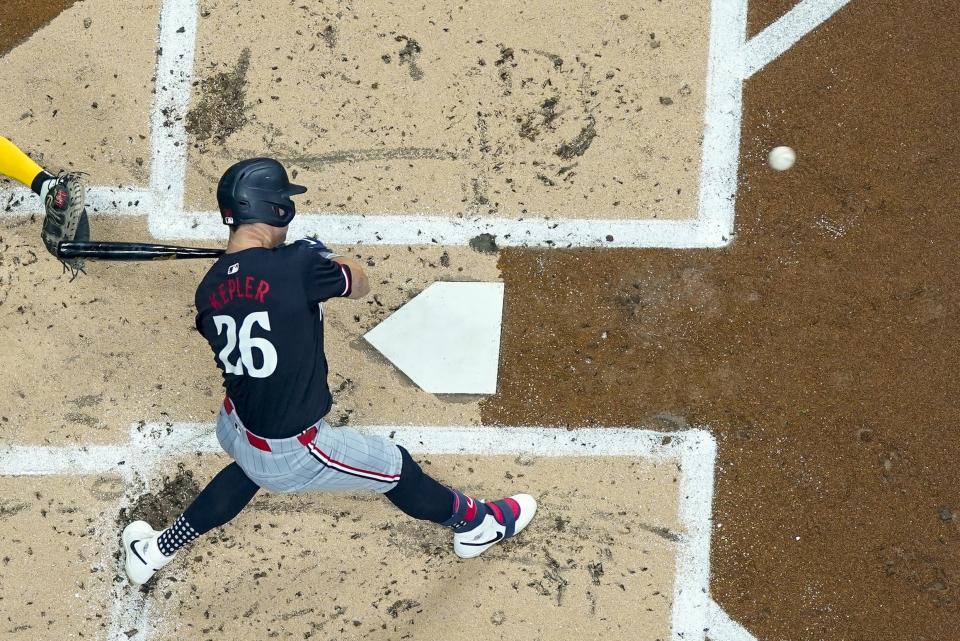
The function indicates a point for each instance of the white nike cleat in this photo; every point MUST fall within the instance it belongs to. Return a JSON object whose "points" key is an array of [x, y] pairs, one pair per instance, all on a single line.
{"points": [[500, 523], [141, 556]]}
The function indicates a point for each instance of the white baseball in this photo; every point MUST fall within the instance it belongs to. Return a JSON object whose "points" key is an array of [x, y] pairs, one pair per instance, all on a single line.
{"points": [[782, 158]]}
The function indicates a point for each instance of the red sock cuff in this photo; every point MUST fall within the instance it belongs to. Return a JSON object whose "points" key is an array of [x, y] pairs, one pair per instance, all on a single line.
{"points": [[471, 512]]}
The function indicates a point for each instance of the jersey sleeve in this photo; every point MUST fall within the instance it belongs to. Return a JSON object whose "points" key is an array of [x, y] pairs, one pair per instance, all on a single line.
{"points": [[324, 278]]}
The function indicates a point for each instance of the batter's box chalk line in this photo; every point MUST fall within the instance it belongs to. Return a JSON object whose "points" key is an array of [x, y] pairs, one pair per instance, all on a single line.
{"points": [[731, 60], [694, 617]]}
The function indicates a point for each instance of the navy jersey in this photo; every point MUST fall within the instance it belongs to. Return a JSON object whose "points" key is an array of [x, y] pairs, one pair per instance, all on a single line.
{"points": [[260, 311]]}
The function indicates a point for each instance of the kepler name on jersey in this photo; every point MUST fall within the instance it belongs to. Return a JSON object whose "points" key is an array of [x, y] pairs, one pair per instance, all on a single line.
{"points": [[236, 287]]}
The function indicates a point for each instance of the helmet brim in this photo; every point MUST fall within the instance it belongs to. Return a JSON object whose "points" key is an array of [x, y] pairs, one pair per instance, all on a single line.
{"points": [[293, 190]]}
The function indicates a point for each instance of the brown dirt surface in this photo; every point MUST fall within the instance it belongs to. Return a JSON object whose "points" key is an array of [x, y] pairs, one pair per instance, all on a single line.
{"points": [[820, 347], [52, 583], [21, 18], [761, 15]]}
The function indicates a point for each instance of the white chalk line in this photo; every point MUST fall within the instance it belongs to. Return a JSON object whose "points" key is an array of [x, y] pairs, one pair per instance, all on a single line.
{"points": [[777, 38], [723, 628], [712, 226], [730, 62], [695, 451], [720, 155], [168, 133], [412, 229], [110, 201]]}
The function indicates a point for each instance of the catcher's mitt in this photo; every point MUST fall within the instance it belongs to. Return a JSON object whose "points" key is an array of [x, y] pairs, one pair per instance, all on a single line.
{"points": [[65, 217]]}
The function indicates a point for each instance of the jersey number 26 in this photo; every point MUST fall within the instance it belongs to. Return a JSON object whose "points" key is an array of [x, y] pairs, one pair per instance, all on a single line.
{"points": [[247, 345]]}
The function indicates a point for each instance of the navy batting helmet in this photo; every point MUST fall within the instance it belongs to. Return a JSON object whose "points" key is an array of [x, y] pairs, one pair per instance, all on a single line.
{"points": [[257, 191]]}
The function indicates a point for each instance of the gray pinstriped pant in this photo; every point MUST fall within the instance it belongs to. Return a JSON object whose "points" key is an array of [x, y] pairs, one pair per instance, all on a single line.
{"points": [[321, 458]]}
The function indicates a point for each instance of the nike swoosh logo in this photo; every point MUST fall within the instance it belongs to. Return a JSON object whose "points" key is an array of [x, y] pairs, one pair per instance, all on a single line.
{"points": [[493, 540], [137, 554]]}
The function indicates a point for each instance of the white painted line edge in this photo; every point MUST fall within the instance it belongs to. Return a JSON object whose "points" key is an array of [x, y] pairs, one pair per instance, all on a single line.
{"points": [[153, 441], [168, 135], [723, 628], [349, 229], [130, 610], [126, 201], [692, 585], [694, 449], [723, 111], [777, 38]]}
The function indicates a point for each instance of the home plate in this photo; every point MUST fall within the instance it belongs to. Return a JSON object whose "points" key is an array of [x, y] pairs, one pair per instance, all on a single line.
{"points": [[447, 339]]}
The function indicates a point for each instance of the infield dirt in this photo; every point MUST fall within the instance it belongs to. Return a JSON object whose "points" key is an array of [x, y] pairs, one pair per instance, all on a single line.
{"points": [[482, 108], [820, 347]]}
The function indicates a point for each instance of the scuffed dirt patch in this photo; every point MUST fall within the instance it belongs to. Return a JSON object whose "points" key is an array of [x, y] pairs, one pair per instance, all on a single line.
{"points": [[322, 566], [161, 508], [579, 145], [472, 110], [221, 108]]}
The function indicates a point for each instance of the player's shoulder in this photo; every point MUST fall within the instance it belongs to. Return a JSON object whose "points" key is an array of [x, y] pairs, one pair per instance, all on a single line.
{"points": [[313, 253], [305, 246]]}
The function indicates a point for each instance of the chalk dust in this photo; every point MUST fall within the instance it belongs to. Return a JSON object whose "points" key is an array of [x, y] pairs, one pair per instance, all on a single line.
{"points": [[81, 91], [485, 109]]}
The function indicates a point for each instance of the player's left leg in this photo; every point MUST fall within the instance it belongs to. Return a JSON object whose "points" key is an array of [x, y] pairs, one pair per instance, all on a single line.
{"points": [[146, 550], [477, 524]]}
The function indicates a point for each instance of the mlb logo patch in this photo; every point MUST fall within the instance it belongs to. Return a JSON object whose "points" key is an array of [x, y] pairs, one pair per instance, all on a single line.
{"points": [[233, 269]]}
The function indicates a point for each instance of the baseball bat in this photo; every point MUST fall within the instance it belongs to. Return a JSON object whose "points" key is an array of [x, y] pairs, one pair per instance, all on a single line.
{"points": [[110, 250]]}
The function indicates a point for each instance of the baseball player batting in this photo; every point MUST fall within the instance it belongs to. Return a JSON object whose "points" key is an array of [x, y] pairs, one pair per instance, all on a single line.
{"points": [[260, 306]]}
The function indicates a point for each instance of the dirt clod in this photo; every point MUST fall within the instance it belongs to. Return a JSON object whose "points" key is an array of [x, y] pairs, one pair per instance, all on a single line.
{"points": [[484, 243], [409, 55], [579, 145], [402, 605]]}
